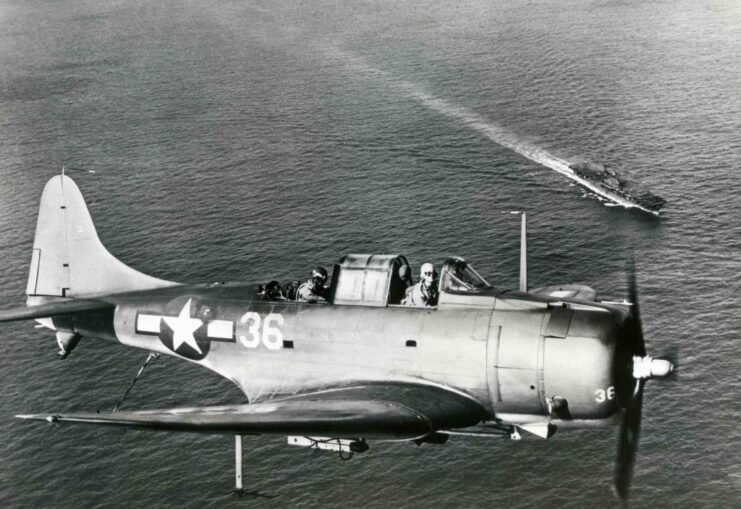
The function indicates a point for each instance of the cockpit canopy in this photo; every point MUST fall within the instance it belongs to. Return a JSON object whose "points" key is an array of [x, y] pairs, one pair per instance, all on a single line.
{"points": [[371, 280], [381, 280]]}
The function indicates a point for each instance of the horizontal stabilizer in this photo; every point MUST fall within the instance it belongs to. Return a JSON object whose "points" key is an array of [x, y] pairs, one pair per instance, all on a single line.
{"points": [[53, 309], [354, 412]]}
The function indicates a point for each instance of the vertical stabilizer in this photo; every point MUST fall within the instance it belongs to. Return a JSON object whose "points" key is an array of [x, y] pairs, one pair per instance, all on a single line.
{"points": [[68, 258]]}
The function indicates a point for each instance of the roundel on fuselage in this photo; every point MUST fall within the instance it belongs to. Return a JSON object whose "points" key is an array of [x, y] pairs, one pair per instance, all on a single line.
{"points": [[183, 333]]}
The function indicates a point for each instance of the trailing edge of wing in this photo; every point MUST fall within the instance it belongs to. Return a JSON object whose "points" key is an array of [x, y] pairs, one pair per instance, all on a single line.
{"points": [[391, 411], [53, 309]]}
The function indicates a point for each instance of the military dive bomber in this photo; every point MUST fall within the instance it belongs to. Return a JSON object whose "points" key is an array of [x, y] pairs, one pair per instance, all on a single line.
{"points": [[357, 366]]}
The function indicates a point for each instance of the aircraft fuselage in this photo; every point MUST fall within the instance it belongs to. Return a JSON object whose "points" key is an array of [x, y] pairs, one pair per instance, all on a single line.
{"points": [[522, 359]]}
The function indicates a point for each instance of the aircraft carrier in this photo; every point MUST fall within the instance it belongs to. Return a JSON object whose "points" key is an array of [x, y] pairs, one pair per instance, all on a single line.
{"points": [[608, 183]]}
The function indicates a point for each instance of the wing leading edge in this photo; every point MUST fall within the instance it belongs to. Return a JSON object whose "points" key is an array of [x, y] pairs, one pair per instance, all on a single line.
{"points": [[377, 411]]}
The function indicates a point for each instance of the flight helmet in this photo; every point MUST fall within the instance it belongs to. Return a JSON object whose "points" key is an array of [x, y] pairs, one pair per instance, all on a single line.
{"points": [[319, 276], [427, 273]]}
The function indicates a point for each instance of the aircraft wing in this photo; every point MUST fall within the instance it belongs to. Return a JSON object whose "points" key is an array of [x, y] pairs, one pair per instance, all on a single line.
{"points": [[387, 410], [53, 309]]}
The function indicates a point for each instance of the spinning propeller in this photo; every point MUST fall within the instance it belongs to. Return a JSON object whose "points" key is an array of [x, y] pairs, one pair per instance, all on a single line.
{"points": [[634, 367]]}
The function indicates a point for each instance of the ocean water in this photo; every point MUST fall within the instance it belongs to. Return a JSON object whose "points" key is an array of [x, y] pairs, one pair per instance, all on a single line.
{"points": [[249, 141]]}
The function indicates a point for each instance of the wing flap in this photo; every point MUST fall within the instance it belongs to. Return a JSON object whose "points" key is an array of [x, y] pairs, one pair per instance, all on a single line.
{"points": [[53, 309], [356, 412]]}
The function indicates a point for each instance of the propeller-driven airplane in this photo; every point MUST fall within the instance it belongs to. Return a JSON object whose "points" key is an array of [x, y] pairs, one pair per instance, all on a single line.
{"points": [[359, 367]]}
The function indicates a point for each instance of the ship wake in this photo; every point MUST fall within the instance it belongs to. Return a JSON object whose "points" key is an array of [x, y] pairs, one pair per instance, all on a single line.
{"points": [[491, 130]]}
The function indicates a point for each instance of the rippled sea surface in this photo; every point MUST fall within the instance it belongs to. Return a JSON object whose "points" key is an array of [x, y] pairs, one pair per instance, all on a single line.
{"points": [[244, 140]]}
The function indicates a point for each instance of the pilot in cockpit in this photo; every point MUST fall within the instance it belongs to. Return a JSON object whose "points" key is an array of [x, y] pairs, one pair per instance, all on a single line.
{"points": [[424, 293]]}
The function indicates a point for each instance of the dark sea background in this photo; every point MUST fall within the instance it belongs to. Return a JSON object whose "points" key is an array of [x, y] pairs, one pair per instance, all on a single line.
{"points": [[251, 140]]}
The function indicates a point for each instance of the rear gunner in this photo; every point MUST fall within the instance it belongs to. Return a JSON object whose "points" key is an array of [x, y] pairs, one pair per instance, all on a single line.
{"points": [[314, 289]]}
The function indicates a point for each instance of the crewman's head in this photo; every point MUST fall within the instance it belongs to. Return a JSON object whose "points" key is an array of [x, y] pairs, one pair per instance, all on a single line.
{"points": [[427, 273], [319, 276], [272, 291]]}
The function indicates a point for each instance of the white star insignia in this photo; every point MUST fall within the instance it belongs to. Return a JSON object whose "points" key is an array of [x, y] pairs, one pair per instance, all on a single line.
{"points": [[183, 327]]}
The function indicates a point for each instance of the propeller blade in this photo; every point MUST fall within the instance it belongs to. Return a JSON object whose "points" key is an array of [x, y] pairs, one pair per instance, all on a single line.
{"points": [[630, 430], [632, 343]]}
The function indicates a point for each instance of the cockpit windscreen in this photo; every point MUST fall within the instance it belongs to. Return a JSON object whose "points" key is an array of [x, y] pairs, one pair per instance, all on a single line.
{"points": [[459, 276]]}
